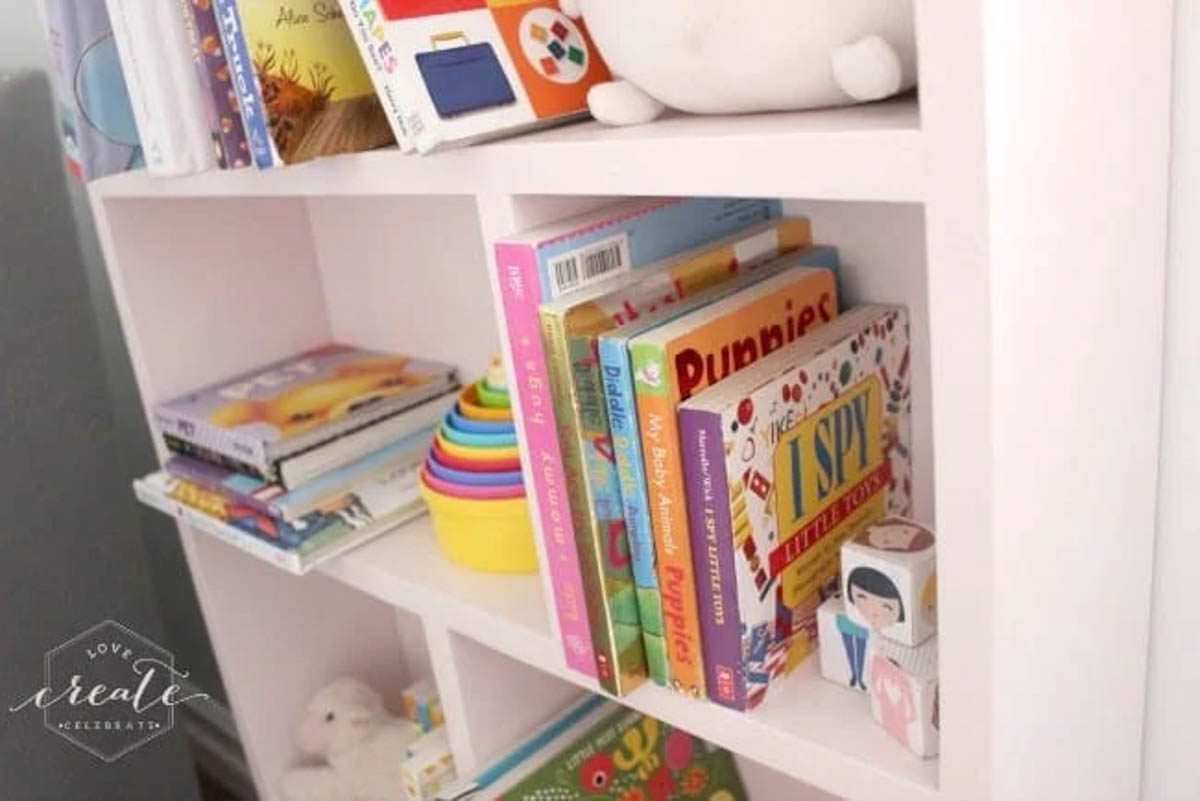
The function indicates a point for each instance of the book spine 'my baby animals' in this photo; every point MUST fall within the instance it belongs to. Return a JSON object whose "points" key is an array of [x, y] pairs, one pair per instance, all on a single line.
{"points": [[710, 345]]}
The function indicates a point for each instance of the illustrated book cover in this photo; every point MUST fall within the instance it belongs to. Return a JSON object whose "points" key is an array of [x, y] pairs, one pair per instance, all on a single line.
{"points": [[571, 327], [626, 448], [624, 754], [459, 71], [548, 262], [95, 115], [293, 405], [784, 462], [675, 361], [301, 86]]}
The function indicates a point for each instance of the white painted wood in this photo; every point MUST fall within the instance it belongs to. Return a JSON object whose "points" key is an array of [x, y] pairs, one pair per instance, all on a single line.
{"points": [[504, 701], [279, 638], [455, 709], [1020, 214], [951, 48], [406, 274], [808, 729], [1171, 771], [1077, 122], [866, 152], [212, 287]]}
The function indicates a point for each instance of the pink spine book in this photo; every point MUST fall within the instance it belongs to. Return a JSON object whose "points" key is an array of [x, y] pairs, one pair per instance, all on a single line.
{"points": [[521, 290]]}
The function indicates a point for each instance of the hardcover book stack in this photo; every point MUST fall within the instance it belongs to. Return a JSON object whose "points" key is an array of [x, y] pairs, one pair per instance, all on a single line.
{"points": [[302, 459], [223, 84], [707, 427]]}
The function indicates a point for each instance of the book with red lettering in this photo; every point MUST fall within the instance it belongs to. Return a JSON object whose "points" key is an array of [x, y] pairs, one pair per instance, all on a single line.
{"points": [[679, 359], [784, 462]]}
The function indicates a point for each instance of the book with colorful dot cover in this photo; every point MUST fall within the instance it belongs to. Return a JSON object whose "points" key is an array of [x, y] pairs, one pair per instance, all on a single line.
{"points": [[784, 462], [301, 86], [619, 562], [621, 754], [459, 71]]}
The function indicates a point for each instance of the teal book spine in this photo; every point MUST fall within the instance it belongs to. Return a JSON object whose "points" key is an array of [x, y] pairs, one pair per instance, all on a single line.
{"points": [[633, 498]]}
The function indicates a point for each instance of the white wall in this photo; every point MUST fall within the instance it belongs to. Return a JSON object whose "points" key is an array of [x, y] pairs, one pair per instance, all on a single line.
{"points": [[22, 38], [1171, 769]]}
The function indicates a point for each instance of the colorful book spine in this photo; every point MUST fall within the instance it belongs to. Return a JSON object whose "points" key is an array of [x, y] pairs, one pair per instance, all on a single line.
{"points": [[629, 756], [622, 424], [543, 264], [785, 462], [600, 538], [672, 363], [626, 447], [571, 330], [216, 82], [245, 83], [366, 20]]}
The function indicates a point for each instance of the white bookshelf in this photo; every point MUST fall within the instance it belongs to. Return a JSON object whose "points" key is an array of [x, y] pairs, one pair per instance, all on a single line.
{"points": [[1018, 209]]}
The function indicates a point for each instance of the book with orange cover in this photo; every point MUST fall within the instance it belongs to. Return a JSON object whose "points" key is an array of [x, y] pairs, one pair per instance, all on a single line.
{"points": [[675, 361]]}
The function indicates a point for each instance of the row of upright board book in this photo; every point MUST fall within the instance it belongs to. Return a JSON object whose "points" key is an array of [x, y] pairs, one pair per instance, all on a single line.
{"points": [[705, 426], [230, 83]]}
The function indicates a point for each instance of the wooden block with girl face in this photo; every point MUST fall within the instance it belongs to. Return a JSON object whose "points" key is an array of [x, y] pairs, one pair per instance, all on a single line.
{"points": [[889, 580]]}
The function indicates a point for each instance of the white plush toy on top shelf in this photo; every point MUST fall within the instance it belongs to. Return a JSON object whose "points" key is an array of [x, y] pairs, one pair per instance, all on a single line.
{"points": [[726, 57], [363, 746]]}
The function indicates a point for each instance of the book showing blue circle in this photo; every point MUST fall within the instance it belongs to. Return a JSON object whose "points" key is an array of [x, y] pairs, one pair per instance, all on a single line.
{"points": [[100, 93], [459, 423], [475, 440], [510, 478]]}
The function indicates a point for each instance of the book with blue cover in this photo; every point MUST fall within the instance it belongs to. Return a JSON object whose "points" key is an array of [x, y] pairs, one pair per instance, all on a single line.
{"points": [[99, 132]]}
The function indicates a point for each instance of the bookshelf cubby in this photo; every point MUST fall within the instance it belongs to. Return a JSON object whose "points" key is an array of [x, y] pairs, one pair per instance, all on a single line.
{"points": [[981, 207]]}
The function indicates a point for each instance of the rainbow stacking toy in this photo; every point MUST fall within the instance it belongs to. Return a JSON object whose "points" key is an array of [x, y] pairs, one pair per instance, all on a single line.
{"points": [[473, 485]]}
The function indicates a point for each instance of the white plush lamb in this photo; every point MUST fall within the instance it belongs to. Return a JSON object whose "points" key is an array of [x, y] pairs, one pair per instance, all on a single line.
{"points": [[726, 57], [362, 745]]}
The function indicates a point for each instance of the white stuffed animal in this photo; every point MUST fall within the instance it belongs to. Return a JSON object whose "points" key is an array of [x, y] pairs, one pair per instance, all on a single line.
{"points": [[362, 745], [727, 57]]}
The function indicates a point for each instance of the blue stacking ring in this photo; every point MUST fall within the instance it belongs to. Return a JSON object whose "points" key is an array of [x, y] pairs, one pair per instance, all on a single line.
{"points": [[504, 479], [459, 423], [479, 440]]}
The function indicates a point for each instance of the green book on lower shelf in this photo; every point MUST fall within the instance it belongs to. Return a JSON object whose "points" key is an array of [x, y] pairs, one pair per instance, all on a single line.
{"points": [[627, 756]]}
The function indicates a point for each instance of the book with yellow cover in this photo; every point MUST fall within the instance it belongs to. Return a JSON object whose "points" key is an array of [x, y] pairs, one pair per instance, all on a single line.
{"points": [[784, 462], [619, 578], [301, 86], [675, 361]]}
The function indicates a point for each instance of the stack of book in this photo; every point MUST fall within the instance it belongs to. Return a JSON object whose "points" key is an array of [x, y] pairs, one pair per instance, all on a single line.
{"points": [[230, 83], [300, 460], [708, 432]]}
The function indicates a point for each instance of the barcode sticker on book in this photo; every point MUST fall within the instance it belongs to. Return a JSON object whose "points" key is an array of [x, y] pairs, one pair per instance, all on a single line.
{"points": [[589, 264]]}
